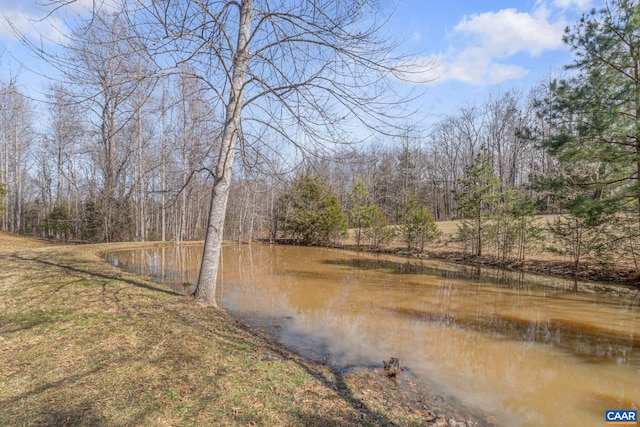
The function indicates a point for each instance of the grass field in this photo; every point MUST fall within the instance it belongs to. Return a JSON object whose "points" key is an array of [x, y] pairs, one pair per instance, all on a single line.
{"points": [[619, 269], [82, 343], [450, 228]]}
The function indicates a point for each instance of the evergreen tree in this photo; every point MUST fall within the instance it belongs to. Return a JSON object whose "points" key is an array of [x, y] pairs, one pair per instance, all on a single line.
{"points": [[477, 198], [595, 116], [379, 231], [58, 223], [577, 237], [511, 229], [313, 213], [417, 225], [361, 211], [92, 222], [500, 220]]}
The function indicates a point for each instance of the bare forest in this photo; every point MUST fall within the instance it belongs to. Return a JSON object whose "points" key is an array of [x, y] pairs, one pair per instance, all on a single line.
{"points": [[150, 180]]}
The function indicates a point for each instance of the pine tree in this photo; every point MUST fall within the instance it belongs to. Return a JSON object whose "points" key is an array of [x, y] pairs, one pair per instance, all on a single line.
{"points": [[477, 200], [92, 222], [361, 211], [313, 213], [417, 225], [379, 231], [58, 222], [596, 116], [595, 122], [511, 229]]}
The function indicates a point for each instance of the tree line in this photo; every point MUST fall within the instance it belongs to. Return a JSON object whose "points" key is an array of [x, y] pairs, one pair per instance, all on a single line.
{"points": [[149, 181], [127, 153]]}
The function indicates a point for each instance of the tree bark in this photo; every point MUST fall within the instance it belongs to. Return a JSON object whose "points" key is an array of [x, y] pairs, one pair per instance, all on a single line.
{"points": [[206, 288]]}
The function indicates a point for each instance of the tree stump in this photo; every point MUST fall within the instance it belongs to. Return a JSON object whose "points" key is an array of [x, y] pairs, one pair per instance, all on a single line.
{"points": [[392, 368]]}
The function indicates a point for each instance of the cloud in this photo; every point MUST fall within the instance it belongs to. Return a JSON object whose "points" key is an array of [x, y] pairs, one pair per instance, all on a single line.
{"points": [[573, 4], [471, 66], [474, 66], [483, 45], [29, 25], [507, 32], [34, 19]]}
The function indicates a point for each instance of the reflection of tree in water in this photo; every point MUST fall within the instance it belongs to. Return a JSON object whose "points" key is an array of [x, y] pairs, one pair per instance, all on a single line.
{"points": [[173, 265], [448, 326], [394, 267], [305, 289], [593, 345], [496, 276], [590, 344]]}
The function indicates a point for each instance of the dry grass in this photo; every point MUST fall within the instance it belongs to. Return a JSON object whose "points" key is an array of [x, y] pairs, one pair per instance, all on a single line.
{"points": [[82, 343], [450, 228], [620, 270], [11, 242]]}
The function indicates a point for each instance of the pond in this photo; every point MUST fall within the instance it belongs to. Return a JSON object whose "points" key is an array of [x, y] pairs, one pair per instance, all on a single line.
{"points": [[530, 351]]}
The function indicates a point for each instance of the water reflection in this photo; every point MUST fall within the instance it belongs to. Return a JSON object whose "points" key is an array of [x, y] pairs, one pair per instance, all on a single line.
{"points": [[532, 352]]}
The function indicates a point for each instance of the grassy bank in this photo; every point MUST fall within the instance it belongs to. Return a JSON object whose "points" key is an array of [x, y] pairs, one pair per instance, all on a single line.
{"points": [[82, 343], [620, 270]]}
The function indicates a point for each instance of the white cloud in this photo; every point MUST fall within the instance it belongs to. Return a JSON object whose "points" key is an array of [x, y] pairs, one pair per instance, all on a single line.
{"points": [[507, 32], [36, 19], [498, 73], [573, 4], [471, 66], [474, 66], [29, 25], [482, 46]]}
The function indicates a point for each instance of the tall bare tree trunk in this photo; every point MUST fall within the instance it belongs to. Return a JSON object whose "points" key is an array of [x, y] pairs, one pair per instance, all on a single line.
{"points": [[4, 177], [163, 177], [206, 288], [142, 226]]}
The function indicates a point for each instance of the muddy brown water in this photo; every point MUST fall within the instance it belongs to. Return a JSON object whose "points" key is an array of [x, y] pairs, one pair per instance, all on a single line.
{"points": [[527, 350]]}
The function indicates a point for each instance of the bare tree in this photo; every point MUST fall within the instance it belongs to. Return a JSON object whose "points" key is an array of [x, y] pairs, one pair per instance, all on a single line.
{"points": [[62, 141], [303, 70], [16, 136], [107, 76]]}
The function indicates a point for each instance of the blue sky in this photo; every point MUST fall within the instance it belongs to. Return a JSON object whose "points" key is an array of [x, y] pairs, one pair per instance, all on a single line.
{"points": [[480, 48], [468, 49]]}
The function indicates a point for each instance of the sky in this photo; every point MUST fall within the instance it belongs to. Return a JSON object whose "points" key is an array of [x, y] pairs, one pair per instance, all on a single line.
{"points": [[467, 50], [482, 48]]}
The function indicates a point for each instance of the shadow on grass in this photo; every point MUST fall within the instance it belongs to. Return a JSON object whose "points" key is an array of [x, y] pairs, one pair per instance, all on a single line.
{"points": [[25, 321], [233, 331], [65, 416], [76, 410], [52, 385], [48, 405], [93, 274]]}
